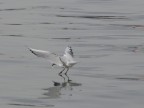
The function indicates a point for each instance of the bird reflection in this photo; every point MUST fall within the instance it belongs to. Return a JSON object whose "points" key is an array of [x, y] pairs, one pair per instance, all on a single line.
{"points": [[60, 88]]}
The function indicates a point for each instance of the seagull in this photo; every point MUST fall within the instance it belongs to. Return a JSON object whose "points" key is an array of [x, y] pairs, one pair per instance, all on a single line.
{"points": [[66, 61]]}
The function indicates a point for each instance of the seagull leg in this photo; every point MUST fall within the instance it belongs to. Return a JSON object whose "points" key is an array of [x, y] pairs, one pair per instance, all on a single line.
{"points": [[61, 71], [53, 64], [66, 71], [62, 77], [68, 78]]}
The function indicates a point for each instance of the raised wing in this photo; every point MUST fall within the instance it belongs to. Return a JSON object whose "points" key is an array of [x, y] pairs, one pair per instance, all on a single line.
{"points": [[52, 57]]}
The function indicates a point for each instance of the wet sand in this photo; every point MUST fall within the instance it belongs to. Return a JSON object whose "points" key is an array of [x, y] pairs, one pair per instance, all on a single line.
{"points": [[107, 37]]}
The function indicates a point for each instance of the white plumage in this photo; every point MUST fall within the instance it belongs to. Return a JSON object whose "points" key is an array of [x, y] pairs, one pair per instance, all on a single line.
{"points": [[66, 61]]}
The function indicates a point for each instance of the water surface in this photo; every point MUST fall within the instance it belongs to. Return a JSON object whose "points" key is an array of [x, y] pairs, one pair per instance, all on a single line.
{"points": [[107, 39]]}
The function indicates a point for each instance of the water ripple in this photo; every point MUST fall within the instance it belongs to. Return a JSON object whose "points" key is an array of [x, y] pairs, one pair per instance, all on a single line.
{"points": [[30, 105], [13, 9], [94, 17], [13, 35]]}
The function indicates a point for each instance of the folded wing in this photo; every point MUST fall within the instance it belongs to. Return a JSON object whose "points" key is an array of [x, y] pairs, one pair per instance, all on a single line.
{"points": [[52, 57]]}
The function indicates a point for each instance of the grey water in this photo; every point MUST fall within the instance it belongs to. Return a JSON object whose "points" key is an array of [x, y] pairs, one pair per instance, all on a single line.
{"points": [[107, 37]]}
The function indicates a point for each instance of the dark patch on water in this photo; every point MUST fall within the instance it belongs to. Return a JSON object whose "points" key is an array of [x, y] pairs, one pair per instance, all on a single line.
{"points": [[130, 77], [61, 8], [109, 47], [94, 17], [46, 23], [129, 26], [14, 24], [93, 56], [13, 9], [25, 102], [126, 78], [101, 13], [130, 36], [117, 77], [67, 28], [30, 105], [40, 7], [96, 1], [96, 45], [86, 45], [17, 104], [108, 37], [64, 38], [94, 75], [133, 48], [13, 35], [2, 54]]}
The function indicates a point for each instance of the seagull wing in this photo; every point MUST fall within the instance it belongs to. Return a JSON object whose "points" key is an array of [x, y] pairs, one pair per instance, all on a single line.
{"points": [[52, 57]]}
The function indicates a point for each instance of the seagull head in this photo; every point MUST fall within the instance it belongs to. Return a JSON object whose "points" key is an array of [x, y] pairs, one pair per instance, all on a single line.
{"points": [[69, 50]]}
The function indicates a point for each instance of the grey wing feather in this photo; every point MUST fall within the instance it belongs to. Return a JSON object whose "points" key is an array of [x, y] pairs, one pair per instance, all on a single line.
{"points": [[52, 57]]}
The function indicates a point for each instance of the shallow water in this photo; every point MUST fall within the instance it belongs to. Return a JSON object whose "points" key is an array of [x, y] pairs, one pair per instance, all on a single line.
{"points": [[107, 39]]}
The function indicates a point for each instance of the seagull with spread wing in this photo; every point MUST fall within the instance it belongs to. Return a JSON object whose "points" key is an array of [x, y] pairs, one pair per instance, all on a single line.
{"points": [[66, 61]]}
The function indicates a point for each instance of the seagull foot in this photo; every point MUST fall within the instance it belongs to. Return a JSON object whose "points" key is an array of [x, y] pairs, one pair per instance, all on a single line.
{"points": [[60, 74]]}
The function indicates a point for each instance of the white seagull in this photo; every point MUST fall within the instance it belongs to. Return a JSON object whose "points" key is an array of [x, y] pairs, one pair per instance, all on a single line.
{"points": [[66, 61]]}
